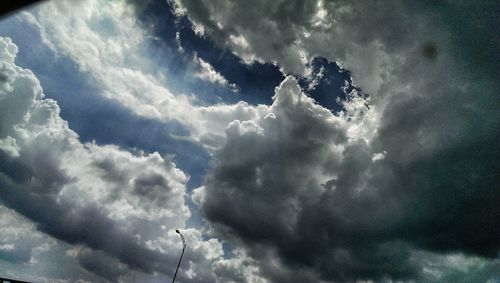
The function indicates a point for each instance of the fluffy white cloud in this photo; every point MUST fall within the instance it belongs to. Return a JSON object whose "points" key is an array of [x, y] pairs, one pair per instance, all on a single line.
{"points": [[208, 73], [106, 41], [109, 205]]}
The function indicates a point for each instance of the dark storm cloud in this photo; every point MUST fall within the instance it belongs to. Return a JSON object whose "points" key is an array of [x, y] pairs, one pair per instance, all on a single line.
{"points": [[366, 221], [448, 174], [271, 195], [436, 185]]}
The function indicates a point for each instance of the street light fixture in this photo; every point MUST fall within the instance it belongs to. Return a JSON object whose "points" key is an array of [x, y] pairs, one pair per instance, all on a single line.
{"points": [[183, 248]]}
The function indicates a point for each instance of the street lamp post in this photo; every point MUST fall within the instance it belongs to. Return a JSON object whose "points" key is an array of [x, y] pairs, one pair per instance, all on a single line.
{"points": [[183, 248]]}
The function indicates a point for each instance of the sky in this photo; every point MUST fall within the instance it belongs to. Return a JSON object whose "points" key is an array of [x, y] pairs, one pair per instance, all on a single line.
{"points": [[287, 140]]}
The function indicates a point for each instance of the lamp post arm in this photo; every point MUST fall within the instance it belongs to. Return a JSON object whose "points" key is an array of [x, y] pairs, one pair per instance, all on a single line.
{"points": [[180, 259]]}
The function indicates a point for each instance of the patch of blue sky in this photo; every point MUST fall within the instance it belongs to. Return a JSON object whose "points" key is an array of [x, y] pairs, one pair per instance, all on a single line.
{"points": [[256, 81], [329, 84]]}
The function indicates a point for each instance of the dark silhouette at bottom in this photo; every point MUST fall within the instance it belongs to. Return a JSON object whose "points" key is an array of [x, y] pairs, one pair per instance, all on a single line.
{"points": [[5, 280]]}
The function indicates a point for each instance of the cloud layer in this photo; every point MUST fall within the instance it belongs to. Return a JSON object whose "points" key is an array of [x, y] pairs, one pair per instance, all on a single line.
{"points": [[335, 206], [109, 205], [410, 169], [400, 183], [107, 43]]}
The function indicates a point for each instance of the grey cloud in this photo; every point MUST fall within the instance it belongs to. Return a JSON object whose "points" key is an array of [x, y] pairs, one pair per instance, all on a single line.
{"points": [[109, 171], [152, 187], [273, 185], [369, 38], [75, 225], [339, 212], [101, 265], [280, 32], [121, 208]]}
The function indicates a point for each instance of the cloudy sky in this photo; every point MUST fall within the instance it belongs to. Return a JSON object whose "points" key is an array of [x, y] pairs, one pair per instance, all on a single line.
{"points": [[288, 140]]}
